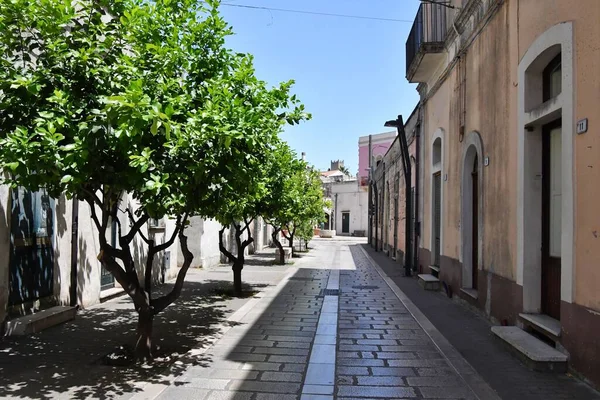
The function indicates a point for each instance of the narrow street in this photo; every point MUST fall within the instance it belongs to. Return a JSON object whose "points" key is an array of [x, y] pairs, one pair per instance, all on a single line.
{"points": [[337, 327]]}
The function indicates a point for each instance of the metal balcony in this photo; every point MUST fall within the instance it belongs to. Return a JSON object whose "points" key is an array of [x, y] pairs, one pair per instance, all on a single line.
{"points": [[425, 44]]}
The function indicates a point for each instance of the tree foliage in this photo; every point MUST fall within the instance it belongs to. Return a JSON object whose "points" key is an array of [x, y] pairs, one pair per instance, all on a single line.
{"points": [[297, 199], [100, 98]]}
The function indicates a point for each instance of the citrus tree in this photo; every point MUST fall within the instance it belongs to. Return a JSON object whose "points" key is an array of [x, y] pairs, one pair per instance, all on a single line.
{"points": [[277, 207], [101, 98], [304, 202]]}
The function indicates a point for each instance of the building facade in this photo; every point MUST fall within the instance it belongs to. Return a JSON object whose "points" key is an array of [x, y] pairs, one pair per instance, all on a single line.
{"points": [[389, 195], [509, 91], [380, 143], [50, 248], [348, 214]]}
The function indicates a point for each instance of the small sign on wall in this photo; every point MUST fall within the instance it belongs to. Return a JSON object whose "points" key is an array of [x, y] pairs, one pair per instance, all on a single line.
{"points": [[582, 126], [486, 161]]}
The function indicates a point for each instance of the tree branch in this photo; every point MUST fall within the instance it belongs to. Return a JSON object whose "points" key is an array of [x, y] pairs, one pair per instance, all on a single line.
{"points": [[284, 231], [131, 286], [222, 248], [170, 242], [137, 225], [94, 216], [148, 271], [163, 302]]}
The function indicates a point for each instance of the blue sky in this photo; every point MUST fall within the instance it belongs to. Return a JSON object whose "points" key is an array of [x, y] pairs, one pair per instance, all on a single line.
{"points": [[349, 73]]}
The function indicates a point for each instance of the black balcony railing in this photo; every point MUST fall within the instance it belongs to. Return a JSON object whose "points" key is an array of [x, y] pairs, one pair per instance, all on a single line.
{"points": [[430, 27]]}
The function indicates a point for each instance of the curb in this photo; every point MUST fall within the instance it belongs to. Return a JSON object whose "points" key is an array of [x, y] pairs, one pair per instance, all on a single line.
{"points": [[467, 373]]}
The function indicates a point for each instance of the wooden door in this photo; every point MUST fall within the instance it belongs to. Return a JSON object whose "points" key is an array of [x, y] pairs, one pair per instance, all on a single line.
{"points": [[551, 218], [475, 225], [437, 208]]}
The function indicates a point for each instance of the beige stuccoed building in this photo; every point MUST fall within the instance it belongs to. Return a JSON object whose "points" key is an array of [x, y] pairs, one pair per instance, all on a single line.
{"points": [[510, 93]]}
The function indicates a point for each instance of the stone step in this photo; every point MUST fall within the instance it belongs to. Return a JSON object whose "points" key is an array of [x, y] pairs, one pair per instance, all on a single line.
{"points": [[39, 321], [542, 323], [435, 271], [429, 282], [532, 351]]}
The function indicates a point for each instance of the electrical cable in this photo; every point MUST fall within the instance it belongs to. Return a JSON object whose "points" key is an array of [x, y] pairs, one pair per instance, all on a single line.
{"points": [[315, 13]]}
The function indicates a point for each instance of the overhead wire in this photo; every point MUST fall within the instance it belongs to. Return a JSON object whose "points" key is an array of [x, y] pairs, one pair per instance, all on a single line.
{"points": [[247, 6]]}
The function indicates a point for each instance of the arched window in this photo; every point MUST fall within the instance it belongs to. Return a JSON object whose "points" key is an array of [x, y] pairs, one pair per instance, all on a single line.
{"points": [[552, 78]]}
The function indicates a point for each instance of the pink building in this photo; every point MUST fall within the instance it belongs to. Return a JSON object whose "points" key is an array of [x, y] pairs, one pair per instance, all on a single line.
{"points": [[380, 143]]}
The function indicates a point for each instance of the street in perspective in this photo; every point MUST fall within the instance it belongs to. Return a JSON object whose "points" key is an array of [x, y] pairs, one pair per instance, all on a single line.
{"points": [[259, 200]]}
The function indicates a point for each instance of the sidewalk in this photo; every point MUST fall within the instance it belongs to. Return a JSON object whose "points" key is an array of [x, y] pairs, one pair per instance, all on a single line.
{"points": [[64, 361], [470, 334]]}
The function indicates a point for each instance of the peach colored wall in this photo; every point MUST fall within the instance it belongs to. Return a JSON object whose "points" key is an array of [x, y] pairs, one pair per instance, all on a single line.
{"points": [[490, 70], [585, 15], [436, 115]]}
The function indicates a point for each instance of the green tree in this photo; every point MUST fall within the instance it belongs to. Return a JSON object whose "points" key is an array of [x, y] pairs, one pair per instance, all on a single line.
{"points": [[306, 203], [277, 207], [140, 97]]}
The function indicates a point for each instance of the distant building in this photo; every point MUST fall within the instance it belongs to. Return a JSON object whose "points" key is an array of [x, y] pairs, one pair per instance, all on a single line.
{"points": [[380, 143], [348, 214]]}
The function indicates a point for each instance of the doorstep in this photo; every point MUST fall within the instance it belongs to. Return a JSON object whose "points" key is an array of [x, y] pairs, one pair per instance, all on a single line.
{"points": [[33, 323], [535, 353], [542, 323], [109, 294], [429, 282]]}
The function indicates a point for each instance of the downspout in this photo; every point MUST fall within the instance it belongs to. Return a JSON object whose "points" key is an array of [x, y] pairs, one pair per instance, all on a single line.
{"points": [[370, 202], [384, 222], [74, 252], [376, 213], [417, 225], [335, 215]]}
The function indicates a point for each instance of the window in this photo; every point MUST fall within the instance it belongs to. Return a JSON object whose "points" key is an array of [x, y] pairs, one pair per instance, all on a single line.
{"points": [[552, 78]]}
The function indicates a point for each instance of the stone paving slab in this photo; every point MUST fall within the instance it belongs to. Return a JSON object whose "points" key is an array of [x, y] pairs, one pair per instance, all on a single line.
{"points": [[361, 339], [381, 334], [62, 362]]}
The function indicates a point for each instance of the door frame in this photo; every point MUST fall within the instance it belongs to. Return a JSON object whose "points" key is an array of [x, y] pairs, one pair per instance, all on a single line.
{"points": [[548, 262], [472, 147], [347, 213]]}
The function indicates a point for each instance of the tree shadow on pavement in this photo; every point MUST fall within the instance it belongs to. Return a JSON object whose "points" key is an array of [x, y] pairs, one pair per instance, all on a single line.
{"points": [[66, 361], [266, 355]]}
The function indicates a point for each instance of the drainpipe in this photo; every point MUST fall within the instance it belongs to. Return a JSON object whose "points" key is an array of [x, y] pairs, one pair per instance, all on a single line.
{"points": [[383, 222], [335, 215], [417, 225], [74, 251], [370, 202], [376, 213]]}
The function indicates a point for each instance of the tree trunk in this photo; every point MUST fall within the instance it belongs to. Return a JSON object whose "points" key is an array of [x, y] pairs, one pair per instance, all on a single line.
{"points": [[291, 242], [279, 246], [143, 345], [237, 278]]}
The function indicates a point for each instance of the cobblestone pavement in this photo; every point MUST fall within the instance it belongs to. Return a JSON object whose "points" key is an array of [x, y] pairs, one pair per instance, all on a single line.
{"points": [[470, 334], [64, 361], [333, 329], [331, 326]]}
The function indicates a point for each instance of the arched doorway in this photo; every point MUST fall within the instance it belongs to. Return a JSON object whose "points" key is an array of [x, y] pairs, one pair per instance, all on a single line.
{"points": [[474, 224], [471, 211], [545, 245], [436, 199]]}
